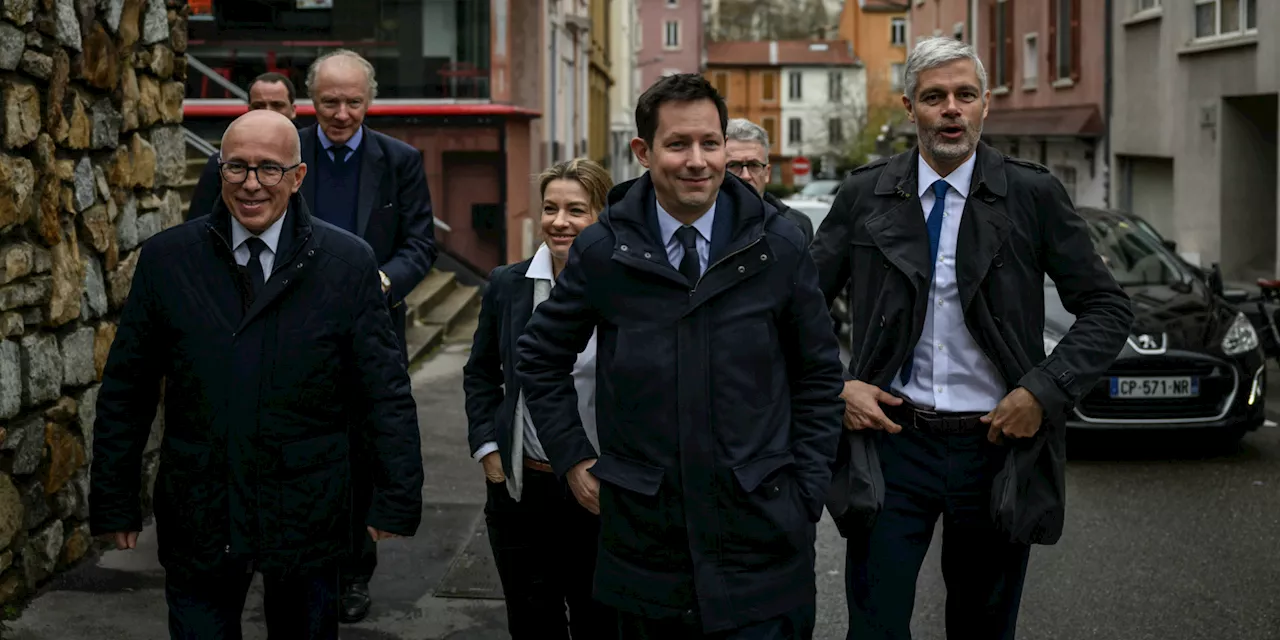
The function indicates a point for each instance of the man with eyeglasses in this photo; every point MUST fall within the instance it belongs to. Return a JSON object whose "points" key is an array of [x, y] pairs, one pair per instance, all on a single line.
{"points": [[747, 147], [268, 330], [375, 187], [271, 91]]}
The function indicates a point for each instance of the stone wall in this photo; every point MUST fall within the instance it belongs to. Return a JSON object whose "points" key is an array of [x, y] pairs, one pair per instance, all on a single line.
{"points": [[90, 154]]}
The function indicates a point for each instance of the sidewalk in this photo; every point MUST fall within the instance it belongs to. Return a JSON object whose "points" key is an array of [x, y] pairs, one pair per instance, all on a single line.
{"points": [[439, 585]]}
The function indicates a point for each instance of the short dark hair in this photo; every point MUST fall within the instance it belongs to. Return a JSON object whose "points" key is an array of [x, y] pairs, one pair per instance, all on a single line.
{"points": [[680, 87], [271, 77]]}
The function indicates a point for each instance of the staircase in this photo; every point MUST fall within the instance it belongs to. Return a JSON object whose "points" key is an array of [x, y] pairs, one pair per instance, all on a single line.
{"points": [[440, 311]]}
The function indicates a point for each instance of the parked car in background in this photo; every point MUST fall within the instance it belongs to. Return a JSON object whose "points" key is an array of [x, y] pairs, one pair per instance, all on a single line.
{"points": [[817, 210], [818, 190], [1193, 359]]}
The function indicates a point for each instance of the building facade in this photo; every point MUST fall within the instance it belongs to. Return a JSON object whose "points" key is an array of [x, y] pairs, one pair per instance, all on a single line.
{"points": [[879, 32], [1046, 70], [626, 90], [600, 81], [670, 35], [458, 79], [1194, 126], [567, 79], [804, 86]]}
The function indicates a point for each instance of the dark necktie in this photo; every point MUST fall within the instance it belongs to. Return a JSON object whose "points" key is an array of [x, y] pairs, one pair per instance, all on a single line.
{"points": [[689, 265], [254, 266], [340, 152], [934, 224]]}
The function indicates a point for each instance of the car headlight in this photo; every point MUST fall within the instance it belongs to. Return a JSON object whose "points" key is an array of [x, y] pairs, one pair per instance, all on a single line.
{"points": [[1050, 342], [1240, 337]]}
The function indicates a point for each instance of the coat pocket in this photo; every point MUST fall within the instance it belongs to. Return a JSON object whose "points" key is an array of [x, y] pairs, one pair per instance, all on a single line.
{"points": [[764, 519], [636, 524], [313, 484]]}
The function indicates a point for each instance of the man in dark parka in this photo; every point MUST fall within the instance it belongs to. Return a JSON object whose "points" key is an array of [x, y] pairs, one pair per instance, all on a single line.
{"points": [[718, 408], [269, 328]]}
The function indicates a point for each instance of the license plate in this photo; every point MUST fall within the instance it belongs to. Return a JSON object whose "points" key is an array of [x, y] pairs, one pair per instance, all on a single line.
{"points": [[1144, 388]]}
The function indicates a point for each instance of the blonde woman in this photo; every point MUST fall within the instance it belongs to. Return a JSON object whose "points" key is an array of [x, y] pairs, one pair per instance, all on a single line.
{"points": [[543, 541]]}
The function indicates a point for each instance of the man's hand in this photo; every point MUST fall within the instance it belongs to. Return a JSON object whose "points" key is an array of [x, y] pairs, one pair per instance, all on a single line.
{"points": [[862, 407], [586, 487], [386, 282], [492, 463], [378, 534], [123, 539], [1018, 415]]}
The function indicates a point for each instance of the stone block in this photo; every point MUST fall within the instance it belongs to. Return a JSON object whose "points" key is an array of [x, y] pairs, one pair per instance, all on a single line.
{"points": [[25, 293], [84, 184], [21, 113], [11, 46], [11, 325], [40, 556], [63, 411], [155, 23], [17, 260], [17, 182], [88, 409], [68, 279], [94, 304], [106, 124], [34, 505], [102, 345], [11, 511], [19, 12], [68, 25], [66, 456], [35, 64], [25, 438], [77, 357], [101, 61], [10, 379], [109, 11], [41, 369], [127, 225]]}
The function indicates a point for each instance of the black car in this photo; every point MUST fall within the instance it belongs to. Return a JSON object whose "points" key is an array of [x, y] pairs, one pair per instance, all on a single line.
{"points": [[1193, 359]]}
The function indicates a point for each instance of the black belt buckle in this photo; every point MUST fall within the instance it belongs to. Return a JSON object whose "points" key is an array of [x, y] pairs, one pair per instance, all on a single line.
{"points": [[930, 421]]}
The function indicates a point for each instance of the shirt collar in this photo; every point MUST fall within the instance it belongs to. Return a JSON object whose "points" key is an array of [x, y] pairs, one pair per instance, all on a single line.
{"points": [[667, 223], [271, 237], [352, 144], [540, 267], [958, 179]]}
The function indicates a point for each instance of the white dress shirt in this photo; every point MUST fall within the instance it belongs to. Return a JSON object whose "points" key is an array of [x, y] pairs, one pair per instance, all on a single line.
{"points": [[270, 237], [951, 373], [525, 441], [668, 225]]}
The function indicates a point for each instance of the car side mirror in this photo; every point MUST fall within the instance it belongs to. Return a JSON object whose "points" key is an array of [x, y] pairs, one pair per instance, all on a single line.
{"points": [[1235, 296], [1215, 280]]}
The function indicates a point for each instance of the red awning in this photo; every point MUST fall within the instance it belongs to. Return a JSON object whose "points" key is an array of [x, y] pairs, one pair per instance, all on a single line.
{"points": [[194, 109], [1080, 121]]}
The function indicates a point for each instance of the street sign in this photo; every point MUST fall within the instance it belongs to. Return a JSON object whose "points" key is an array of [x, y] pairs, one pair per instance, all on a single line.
{"points": [[800, 166]]}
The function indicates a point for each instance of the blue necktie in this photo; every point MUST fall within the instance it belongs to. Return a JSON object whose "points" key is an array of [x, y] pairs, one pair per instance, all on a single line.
{"points": [[934, 223]]}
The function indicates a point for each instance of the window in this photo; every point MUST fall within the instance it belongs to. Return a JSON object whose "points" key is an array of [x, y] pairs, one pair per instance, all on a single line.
{"points": [[673, 35], [720, 80], [1064, 39], [1030, 61], [1001, 42], [770, 125], [1067, 175], [793, 131], [793, 85], [835, 131], [898, 32], [768, 92], [1144, 5], [835, 86], [896, 71], [673, 3], [1225, 17]]}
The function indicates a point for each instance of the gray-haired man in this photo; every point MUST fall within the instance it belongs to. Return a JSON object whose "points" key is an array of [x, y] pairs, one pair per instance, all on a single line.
{"points": [[945, 248], [747, 147]]}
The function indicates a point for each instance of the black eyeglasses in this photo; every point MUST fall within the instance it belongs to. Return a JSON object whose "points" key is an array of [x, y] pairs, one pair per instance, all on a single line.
{"points": [[752, 166], [269, 175]]}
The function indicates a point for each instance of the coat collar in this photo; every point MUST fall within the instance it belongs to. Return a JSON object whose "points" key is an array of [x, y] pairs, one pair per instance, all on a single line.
{"points": [[372, 168], [900, 233]]}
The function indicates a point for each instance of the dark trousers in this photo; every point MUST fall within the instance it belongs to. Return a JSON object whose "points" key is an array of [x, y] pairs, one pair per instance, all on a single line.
{"points": [[545, 549], [795, 625], [361, 559], [209, 606], [927, 475]]}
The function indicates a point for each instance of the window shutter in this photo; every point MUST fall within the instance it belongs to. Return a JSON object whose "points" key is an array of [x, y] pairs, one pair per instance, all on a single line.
{"points": [[993, 61], [1009, 49], [1053, 40], [1075, 40]]}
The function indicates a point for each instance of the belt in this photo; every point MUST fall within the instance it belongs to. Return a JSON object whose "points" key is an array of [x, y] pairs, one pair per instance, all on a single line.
{"points": [[538, 465], [929, 421]]}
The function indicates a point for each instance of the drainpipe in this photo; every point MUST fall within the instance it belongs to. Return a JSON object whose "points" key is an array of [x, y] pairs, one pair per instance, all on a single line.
{"points": [[973, 24], [1107, 97]]}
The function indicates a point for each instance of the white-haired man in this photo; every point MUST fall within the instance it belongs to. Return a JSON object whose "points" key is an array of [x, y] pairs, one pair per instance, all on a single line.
{"points": [[373, 186], [747, 146], [952, 408]]}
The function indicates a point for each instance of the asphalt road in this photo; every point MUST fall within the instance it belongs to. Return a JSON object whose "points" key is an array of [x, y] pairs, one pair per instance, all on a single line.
{"points": [[1167, 537]]}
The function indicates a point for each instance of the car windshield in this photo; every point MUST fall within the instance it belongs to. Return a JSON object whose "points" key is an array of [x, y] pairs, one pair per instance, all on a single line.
{"points": [[818, 188], [1135, 256]]}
